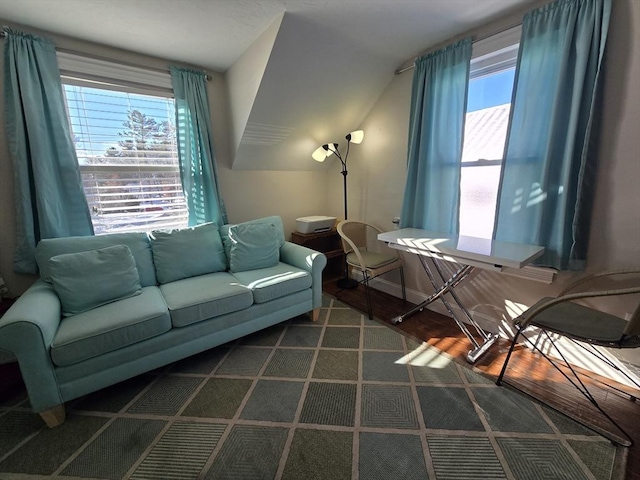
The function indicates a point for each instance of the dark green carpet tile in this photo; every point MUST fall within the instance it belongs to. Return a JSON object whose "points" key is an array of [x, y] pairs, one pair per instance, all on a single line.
{"points": [[470, 458], [336, 365], [473, 377], [116, 449], [382, 338], [330, 404], [264, 338], [448, 408], [384, 367], [344, 317], [166, 396], [319, 455], [289, 363], [388, 406], [244, 361], [304, 319], [566, 425], [114, 398], [436, 372], [508, 411], [598, 456], [250, 452], [531, 459], [301, 336], [273, 401], [202, 363], [341, 337], [44, 453], [219, 398], [15, 427], [181, 453], [388, 456]]}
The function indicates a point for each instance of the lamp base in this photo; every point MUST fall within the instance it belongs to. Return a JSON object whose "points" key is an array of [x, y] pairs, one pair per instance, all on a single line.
{"points": [[347, 283]]}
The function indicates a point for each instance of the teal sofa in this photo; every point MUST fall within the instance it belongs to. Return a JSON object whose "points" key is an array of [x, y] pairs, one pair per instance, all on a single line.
{"points": [[107, 308]]}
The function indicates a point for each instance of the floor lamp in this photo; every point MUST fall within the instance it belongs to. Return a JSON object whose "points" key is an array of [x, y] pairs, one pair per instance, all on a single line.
{"points": [[320, 155]]}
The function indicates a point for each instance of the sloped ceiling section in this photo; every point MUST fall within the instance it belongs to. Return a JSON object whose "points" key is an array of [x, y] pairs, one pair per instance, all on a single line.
{"points": [[306, 96]]}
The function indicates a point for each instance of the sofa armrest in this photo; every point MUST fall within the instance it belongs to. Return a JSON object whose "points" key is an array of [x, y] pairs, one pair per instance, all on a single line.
{"points": [[309, 260], [27, 330]]}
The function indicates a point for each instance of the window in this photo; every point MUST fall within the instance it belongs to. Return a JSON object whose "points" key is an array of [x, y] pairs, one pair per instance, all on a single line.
{"points": [[125, 140], [488, 106]]}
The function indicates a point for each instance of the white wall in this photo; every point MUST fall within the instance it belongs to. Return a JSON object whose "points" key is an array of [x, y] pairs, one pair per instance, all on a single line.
{"points": [[378, 168]]}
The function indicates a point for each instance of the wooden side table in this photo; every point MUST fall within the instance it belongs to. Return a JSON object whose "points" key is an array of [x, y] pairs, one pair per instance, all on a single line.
{"points": [[330, 244]]}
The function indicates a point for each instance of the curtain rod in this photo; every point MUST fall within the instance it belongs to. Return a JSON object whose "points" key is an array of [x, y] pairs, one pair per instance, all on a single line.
{"points": [[475, 39], [4, 34]]}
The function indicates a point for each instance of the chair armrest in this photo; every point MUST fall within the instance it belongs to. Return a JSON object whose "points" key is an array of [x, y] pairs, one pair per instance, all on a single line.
{"points": [[27, 330], [592, 276], [309, 260]]}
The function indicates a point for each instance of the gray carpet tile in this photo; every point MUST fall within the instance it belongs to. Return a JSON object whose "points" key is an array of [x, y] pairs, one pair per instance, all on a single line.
{"points": [[326, 301], [301, 336], [249, 453], [389, 456], [264, 338], [166, 396], [50, 448], [341, 337], [219, 398], [531, 459], [274, 401], [319, 455], [473, 377], [413, 344], [336, 365], [448, 408], [381, 338], [384, 367], [566, 425], [289, 363], [202, 363], [597, 456], [444, 373], [181, 453], [330, 404], [344, 317], [116, 449], [305, 319], [15, 427], [388, 406], [508, 411], [457, 458], [244, 361], [114, 398]]}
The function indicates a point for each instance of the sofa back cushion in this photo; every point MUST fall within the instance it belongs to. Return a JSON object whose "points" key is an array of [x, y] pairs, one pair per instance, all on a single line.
{"points": [[275, 220], [253, 246], [187, 252], [86, 280], [138, 243]]}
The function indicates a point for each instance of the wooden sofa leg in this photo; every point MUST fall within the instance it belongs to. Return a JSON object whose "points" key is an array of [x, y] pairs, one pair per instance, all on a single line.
{"points": [[54, 416], [315, 315]]}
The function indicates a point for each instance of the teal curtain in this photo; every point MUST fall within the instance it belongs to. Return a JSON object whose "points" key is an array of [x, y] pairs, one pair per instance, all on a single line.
{"points": [[49, 198], [436, 127], [548, 176], [195, 148]]}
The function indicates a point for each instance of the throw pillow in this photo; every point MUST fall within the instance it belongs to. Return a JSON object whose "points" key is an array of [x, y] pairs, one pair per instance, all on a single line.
{"points": [[253, 246], [187, 252], [86, 280]]}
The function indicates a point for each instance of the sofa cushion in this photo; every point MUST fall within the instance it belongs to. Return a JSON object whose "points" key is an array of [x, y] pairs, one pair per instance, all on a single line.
{"points": [[195, 299], [86, 280], [110, 327], [187, 252], [273, 220], [274, 282], [138, 243], [253, 246]]}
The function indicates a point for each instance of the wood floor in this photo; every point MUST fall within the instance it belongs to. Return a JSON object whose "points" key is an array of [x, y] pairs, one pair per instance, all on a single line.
{"points": [[531, 373]]}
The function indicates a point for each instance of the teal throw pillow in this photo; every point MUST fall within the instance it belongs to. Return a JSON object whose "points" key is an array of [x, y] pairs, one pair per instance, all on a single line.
{"points": [[86, 280], [253, 246], [187, 252]]}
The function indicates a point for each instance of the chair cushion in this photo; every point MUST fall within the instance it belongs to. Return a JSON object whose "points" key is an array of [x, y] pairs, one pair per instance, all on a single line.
{"points": [[196, 299], [253, 246], [138, 243], [187, 252], [110, 327], [86, 280], [371, 259], [274, 282]]}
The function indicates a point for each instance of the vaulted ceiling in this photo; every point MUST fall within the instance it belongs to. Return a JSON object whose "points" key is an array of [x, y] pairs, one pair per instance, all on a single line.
{"points": [[300, 73]]}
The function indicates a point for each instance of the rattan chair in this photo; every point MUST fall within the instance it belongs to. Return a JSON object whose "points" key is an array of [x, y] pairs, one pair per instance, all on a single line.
{"points": [[365, 254], [585, 327]]}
